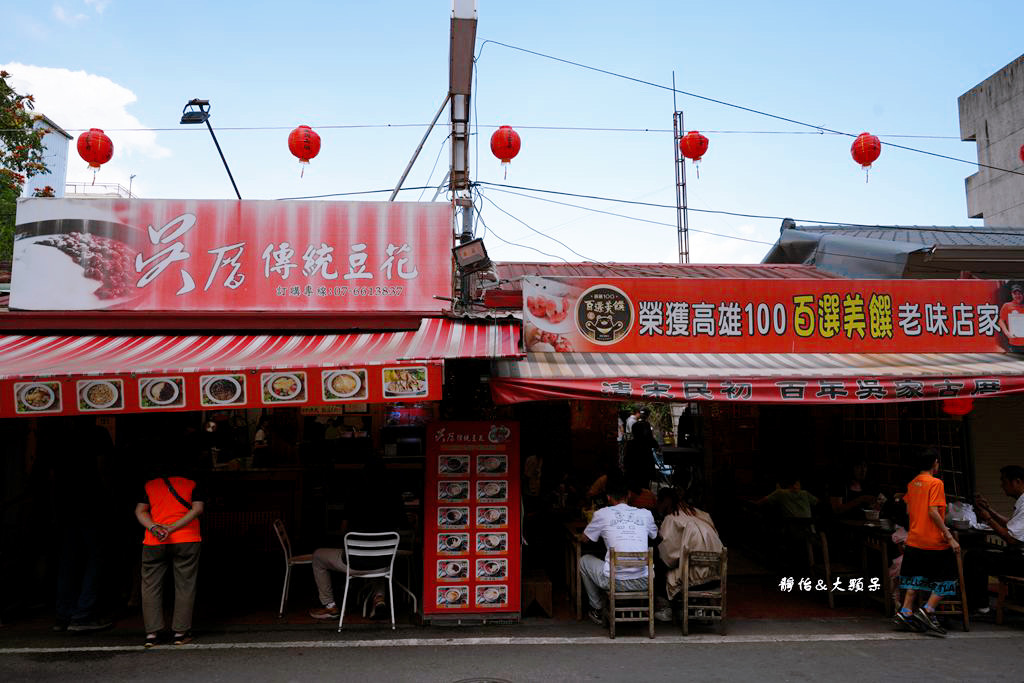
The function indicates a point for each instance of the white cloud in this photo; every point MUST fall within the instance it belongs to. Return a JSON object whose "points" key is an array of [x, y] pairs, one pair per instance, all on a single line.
{"points": [[65, 17], [76, 100], [98, 5]]}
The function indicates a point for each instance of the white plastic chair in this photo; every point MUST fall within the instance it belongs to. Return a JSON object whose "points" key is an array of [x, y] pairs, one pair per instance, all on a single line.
{"points": [[289, 561], [380, 550]]}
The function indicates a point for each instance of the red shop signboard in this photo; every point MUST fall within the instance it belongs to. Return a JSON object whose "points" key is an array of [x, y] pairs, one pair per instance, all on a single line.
{"points": [[471, 547], [662, 315], [225, 255]]}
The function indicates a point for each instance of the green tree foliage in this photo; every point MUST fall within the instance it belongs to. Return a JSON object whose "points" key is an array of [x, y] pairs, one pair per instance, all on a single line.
{"points": [[21, 156]]}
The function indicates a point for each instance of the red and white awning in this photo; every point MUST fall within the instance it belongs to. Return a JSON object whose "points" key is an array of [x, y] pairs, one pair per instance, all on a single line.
{"points": [[757, 377], [24, 356]]}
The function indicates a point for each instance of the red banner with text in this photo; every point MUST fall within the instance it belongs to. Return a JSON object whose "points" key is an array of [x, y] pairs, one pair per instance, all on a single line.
{"points": [[220, 255], [663, 315]]}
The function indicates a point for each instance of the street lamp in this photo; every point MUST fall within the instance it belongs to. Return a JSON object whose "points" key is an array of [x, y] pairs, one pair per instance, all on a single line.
{"points": [[130, 179], [198, 111]]}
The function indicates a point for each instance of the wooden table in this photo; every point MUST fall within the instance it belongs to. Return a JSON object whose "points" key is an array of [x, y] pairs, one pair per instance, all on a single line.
{"points": [[573, 533]]}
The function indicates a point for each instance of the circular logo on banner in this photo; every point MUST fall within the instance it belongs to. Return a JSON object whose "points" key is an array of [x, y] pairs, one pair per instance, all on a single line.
{"points": [[604, 314]]}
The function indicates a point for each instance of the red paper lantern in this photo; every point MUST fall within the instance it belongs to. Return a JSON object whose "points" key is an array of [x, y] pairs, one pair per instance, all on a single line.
{"points": [[865, 149], [95, 148], [693, 145], [505, 144], [1021, 153], [958, 406], [304, 143]]}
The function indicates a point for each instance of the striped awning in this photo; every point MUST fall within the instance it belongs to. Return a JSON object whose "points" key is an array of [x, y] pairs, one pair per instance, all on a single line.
{"points": [[763, 378], [25, 356]]}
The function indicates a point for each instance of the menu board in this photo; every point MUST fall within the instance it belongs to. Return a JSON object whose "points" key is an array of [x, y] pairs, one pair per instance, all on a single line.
{"points": [[471, 550]]}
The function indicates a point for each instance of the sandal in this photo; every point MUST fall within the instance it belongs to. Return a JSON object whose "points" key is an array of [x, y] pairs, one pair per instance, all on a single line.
{"points": [[183, 638], [151, 640]]}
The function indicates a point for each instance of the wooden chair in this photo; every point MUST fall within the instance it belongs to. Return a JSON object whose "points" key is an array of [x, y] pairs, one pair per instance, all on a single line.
{"points": [[823, 568], [957, 607], [873, 544], [1006, 584], [710, 601], [289, 561], [640, 605]]}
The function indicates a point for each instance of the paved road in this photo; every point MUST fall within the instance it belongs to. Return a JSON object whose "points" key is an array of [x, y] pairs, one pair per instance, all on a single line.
{"points": [[990, 656]]}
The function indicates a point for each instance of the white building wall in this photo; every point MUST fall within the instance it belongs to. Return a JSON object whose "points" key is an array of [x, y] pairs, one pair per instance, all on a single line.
{"points": [[55, 156], [992, 115]]}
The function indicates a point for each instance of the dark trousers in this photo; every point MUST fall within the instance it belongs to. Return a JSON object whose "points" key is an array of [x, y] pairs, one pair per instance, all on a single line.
{"points": [[184, 558], [983, 563], [78, 574]]}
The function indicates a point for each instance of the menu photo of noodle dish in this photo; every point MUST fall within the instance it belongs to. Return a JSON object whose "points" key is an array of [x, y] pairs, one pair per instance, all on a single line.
{"points": [[100, 394], [37, 397], [222, 390], [283, 387], [405, 382], [161, 392], [491, 596]]}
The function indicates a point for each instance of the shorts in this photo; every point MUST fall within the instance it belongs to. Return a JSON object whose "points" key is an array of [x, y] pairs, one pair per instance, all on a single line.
{"points": [[931, 571]]}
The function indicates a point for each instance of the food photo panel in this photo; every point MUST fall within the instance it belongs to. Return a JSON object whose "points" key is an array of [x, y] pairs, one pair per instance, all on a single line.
{"points": [[100, 394], [453, 544], [161, 392], [344, 385], [491, 596], [456, 491], [453, 596], [283, 387], [492, 516], [453, 517], [405, 382], [221, 390], [492, 542], [448, 465], [452, 570], [491, 569], [494, 491], [490, 465], [37, 397]]}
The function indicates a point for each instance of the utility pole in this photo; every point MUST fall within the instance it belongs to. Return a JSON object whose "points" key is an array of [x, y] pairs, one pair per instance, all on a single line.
{"points": [[682, 222], [460, 84]]}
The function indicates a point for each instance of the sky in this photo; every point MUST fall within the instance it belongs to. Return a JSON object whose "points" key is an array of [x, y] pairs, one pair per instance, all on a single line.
{"points": [[370, 76]]}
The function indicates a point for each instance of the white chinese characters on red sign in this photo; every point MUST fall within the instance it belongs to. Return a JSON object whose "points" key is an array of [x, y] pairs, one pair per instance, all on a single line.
{"points": [[228, 255]]}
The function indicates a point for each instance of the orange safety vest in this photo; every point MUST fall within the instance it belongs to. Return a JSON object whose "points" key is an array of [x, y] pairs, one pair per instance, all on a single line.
{"points": [[165, 510]]}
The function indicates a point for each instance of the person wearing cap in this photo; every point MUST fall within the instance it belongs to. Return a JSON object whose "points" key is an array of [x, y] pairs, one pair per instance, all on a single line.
{"points": [[1010, 320]]}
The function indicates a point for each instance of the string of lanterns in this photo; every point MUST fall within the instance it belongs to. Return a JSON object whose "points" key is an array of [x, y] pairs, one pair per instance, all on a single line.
{"points": [[96, 148]]}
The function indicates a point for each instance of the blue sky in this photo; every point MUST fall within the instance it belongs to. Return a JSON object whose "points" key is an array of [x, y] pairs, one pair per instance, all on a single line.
{"points": [[884, 67]]}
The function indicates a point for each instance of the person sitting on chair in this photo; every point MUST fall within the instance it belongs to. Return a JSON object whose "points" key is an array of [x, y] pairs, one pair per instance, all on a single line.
{"points": [[980, 564], [623, 528], [374, 510], [684, 529]]}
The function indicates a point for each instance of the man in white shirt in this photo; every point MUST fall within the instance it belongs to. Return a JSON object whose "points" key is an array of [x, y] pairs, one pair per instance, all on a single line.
{"points": [[979, 565], [624, 528]]}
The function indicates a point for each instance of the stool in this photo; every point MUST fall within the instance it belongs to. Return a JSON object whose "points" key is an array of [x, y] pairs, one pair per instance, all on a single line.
{"points": [[537, 589], [1002, 602]]}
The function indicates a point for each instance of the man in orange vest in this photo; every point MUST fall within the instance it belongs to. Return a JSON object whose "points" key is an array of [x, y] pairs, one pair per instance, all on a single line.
{"points": [[169, 509]]}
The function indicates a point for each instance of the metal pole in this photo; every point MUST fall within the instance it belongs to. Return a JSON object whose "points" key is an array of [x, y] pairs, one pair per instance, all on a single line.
{"points": [[682, 221], [416, 154], [231, 177]]}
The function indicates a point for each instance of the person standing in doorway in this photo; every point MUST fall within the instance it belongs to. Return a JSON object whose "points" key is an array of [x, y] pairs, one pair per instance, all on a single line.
{"points": [[929, 560], [169, 509]]}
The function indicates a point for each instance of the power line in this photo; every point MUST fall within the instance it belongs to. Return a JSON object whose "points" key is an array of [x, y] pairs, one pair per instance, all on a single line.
{"points": [[492, 202], [737, 106], [350, 194]]}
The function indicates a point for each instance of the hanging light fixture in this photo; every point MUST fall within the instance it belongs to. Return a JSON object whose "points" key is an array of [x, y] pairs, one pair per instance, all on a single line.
{"points": [[505, 145], [959, 406], [865, 150], [693, 145]]}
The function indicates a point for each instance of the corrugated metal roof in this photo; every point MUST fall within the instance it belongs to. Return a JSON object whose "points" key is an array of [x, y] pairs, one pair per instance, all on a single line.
{"points": [[509, 270], [928, 235]]}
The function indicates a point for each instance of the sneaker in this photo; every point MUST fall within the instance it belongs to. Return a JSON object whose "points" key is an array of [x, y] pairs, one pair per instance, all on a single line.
{"points": [[331, 612], [663, 614], [151, 640], [95, 625], [930, 622], [597, 616], [982, 612], [183, 638], [908, 622]]}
